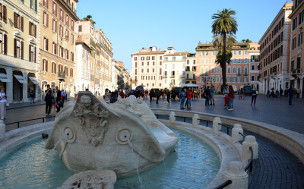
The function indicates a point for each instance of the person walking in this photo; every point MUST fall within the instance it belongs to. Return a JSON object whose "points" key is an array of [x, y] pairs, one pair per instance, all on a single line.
{"points": [[2, 104], [152, 94], [290, 95], [231, 97], [48, 102], [183, 98], [207, 96], [58, 100], [168, 96], [32, 97], [253, 96], [226, 97], [189, 96], [158, 94], [212, 91]]}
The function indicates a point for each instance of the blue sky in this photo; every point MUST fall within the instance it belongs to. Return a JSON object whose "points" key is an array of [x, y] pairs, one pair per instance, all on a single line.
{"points": [[133, 24]]}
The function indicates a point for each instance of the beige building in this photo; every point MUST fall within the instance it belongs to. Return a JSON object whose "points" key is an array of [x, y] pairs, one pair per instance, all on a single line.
{"points": [[57, 47], [94, 59], [19, 48], [296, 68], [237, 74], [190, 69], [147, 68], [275, 52]]}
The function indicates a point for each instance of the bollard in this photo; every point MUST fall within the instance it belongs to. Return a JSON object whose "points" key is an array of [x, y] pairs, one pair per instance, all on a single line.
{"points": [[236, 136], [2, 127], [249, 142], [217, 124], [172, 117], [236, 173], [195, 120]]}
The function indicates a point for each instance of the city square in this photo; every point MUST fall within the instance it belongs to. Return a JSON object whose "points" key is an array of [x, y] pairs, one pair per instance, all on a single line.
{"points": [[116, 96]]}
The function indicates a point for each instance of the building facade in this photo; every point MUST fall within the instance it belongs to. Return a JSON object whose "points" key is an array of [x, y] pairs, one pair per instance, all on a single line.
{"points": [[174, 68], [94, 59], [147, 68], [19, 49], [237, 73], [190, 69], [275, 52], [254, 73], [296, 68], [57, 47]]}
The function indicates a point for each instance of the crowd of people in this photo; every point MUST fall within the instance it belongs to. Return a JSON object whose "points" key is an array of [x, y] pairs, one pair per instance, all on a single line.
{"points": [[54, 99]]}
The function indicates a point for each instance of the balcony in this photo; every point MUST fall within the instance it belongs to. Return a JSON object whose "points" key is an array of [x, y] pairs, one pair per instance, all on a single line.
{"points": [[61, 75], [296, 71]]}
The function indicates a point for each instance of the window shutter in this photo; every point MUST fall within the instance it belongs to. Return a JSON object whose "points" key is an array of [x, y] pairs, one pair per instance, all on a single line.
{"points": [[15, 48], [30, 58], [30, 31], [35, 31], [22, 23], [46, 66], [4, 14], [15, 20], [35, 55], [47, 4], [5, 44], [55, 67], [22, 49], [47, 44], [47, 20]]}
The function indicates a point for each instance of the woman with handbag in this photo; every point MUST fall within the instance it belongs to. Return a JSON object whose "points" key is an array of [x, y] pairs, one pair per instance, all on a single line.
{"points": [[2, 104]]}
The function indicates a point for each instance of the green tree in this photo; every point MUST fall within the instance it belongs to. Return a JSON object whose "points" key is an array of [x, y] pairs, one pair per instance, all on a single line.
{"points": [[224, 23], [89, 18]]}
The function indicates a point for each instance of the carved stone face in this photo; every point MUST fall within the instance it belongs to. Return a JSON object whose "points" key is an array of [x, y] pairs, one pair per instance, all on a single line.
{"points": [[85, 101]]}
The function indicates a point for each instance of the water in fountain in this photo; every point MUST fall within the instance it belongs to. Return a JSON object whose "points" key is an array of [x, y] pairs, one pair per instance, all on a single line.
{"points": [[135, 163]]}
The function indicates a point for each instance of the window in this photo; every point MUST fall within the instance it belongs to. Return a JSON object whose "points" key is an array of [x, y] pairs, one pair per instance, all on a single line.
{"points": [[72, 24], [80, 28], [18, 21], [54, 67], [32, 53], [45, 19], [239, 70], [54, 48], [234, 69], [61, 30], [3, 13], [72, 56], [3, 43], [301, 16], [229, 70], [294, 43], [245, 71], [173, 73], [54, 25], [32, 29], [45, 44], [218, 70], [66, 71], [67, 19], [135, 58], [72, 38], [54, 8], [46, 3], [44, 65], [67, 34], [66, 53], [18, 50], [300, 39], [252, 67], [160, 58], [71, 72], [252, 78], [246, 60], [61, 52], [153, 57], [294, 23], [245, 52], [61, 15]]}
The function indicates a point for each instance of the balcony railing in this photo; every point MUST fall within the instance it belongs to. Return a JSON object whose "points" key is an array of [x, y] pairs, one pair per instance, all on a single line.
{"points": [[61, 75], [296, 71]]}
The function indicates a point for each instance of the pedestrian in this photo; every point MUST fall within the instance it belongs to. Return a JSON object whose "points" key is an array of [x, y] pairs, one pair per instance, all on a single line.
{"points": [[212, 91], [207, 96], [158, 94], [48, 102], [226, 97], [189, 96], [253, 96], [58, 100], [63, 95], [290, 94], [122, 94], [268, 93], [240, 94], [54, 97], [32, 97], [183, 98], [244, 94], [231, 97], [168, 96], [3, 101], [152, 94]]}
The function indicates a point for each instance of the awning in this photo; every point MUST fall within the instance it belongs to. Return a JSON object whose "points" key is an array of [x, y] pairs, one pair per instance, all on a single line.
{"points": [[34, 80], [20, 78], [3, 78]]}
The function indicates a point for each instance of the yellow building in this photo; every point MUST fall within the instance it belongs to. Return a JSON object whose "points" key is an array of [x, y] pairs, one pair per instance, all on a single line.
{"points": [[19, 41], [57, 47]]}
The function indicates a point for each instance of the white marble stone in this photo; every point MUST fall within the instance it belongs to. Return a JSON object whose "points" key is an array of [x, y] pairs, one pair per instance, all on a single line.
{"points": [[236, 130], [195, 120], [250, 142], [217, 124], [103, 179], [92, 135], [236, 173], [2, 127]]}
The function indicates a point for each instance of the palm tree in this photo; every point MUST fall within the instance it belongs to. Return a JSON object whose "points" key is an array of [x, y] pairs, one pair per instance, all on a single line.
{"points": [[224, 24]]}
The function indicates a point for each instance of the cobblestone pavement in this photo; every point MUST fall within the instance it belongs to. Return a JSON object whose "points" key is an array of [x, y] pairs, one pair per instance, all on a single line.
{"points": [[275, 111], [275, 168]]}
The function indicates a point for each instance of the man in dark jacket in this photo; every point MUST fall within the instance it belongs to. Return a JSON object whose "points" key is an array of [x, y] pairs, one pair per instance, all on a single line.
{"points": [[48, 102], [58, 100]]}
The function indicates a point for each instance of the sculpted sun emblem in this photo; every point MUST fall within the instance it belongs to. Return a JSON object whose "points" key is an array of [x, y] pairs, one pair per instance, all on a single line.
{"points": [[93, 120]]}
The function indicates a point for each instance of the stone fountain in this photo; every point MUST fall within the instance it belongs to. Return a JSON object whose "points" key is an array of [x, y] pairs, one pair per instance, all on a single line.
{"points": [[92, 135]]}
